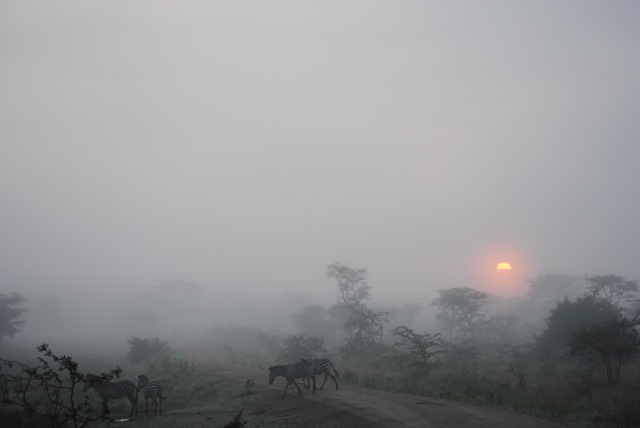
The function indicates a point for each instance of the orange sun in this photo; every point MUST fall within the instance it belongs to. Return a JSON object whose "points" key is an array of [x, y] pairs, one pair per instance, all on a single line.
{"points": [[503, 267]]}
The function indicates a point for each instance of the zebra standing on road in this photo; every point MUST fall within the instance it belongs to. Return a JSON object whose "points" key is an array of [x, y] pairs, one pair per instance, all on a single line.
{"points": [[290, 372], [312, 368], [113, 390], [153, 391]]}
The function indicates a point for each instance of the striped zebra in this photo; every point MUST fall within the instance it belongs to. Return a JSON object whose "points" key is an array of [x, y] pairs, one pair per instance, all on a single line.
{"points": [[113, 390], [153, 391], [290, 372], [313, 368]]}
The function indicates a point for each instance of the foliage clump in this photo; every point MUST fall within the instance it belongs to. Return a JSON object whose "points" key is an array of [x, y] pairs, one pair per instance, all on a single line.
{"points": [[48, 394], [143, 349], [11, 314]]}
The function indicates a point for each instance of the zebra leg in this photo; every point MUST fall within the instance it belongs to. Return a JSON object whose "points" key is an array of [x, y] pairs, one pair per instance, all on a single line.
{"points": [[324, 381], [313, 379], [154, 400], [134, 404], [160, 403], [332, 377], [296, 384]]}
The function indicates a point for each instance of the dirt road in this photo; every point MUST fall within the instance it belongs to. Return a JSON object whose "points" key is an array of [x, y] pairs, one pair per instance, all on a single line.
{"points": [[347, 407]]}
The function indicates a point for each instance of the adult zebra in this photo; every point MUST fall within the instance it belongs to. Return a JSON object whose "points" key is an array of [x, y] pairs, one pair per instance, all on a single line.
{"points": [[312, 368], [153, 391], [113, 390], [290, 372]]}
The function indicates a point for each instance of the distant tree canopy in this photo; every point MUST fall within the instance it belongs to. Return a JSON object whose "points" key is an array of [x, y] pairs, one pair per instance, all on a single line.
{"points": [[568, 317], [352, 283], [611, 343], [300, 346], [552, 287], [460, 311], [11, 315], [317, 320], [364, 327], [616, 289], [145, 349]]}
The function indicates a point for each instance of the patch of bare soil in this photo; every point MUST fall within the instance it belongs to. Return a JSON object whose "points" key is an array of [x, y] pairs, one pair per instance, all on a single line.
{"points": [[264, 407]]}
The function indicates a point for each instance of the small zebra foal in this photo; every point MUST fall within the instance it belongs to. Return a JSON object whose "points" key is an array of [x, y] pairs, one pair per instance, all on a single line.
{"points": [[153, 391], [290, 372], [113, 390], [312, 368]]}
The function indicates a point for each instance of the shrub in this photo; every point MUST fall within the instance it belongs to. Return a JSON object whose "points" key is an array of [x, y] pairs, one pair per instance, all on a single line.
{"points": [[145, 349]]}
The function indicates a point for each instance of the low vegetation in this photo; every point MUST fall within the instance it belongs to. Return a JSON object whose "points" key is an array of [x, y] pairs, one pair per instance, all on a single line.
{"points": [[567, 351]]}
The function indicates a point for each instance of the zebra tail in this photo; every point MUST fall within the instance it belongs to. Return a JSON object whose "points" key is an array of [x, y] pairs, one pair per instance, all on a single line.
{"points": [[335, 371]]}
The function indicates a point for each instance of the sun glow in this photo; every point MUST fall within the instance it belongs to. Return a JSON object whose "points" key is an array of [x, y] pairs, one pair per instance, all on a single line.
{"points": [[503, 267]]}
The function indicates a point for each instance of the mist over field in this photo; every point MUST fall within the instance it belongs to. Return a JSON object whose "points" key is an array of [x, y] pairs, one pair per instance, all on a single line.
{"points": [[171, 168]]}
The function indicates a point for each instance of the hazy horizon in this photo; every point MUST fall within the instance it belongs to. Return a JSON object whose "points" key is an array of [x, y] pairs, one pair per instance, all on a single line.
{"points": [[247, 146]]}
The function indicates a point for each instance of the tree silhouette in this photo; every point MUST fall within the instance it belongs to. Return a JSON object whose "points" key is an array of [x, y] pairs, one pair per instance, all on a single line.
{"points": [[11, 316], [460, 311], [612, 343], [363, 326]]}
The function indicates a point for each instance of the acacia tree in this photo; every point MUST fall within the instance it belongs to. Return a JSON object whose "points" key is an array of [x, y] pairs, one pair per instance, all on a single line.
{"points": [[352, 284], [568, 317], [419, 352], [300, 346], [363, 326], [316, 320], [613, 343], [11, 315], [460, 311], [616, 289]]}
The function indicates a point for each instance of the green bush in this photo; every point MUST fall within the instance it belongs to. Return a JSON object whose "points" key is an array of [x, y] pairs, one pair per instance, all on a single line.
{"points": [[145, 349]]}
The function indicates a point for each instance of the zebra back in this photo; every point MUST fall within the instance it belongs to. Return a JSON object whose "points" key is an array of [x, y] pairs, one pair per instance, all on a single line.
{"points": [[318, 367], [290, 372], [153, 391], [287, 371], [150, 389], [113, 390]]}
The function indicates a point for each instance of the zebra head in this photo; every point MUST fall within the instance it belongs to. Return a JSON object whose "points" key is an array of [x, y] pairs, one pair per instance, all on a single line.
{"points": [[272, 374], [142, 381], [89, 381]]}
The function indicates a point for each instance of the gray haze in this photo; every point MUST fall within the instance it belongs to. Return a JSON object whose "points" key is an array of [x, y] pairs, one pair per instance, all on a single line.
{"points": [[245, 146]]}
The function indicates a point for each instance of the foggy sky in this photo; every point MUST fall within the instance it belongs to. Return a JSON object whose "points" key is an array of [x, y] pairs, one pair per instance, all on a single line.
{"points": [[248, 145]]}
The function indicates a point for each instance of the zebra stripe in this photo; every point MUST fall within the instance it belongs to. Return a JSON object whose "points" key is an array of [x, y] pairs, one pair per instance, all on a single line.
{"points": [[153, 391], [290, 372], [113, 390], [318, 367]]}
